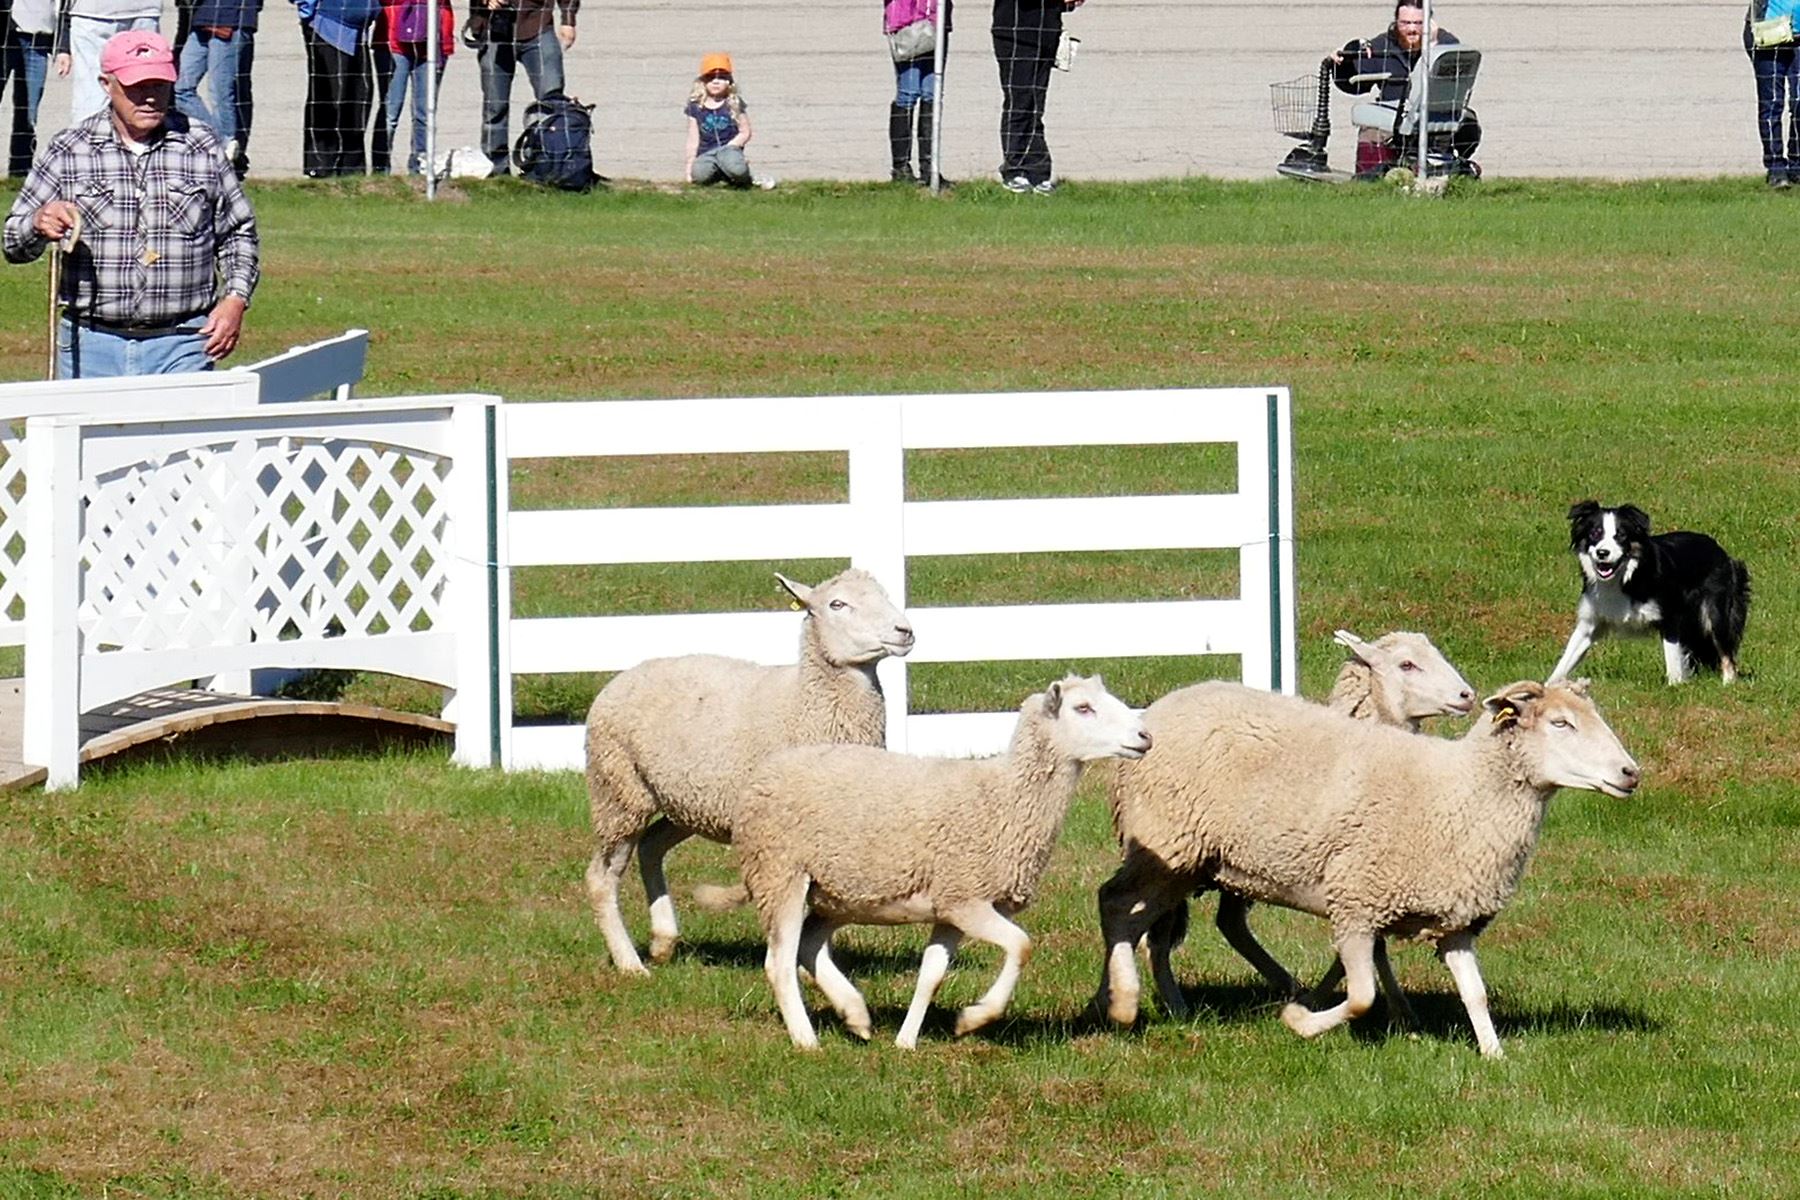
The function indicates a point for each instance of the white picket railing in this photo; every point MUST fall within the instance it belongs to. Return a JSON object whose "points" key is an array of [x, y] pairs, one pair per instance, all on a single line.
{"points": [[878, 529], [355, 534]]}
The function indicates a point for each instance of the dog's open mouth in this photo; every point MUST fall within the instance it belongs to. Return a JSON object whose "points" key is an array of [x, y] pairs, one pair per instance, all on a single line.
{"points": [[1606, 570]]}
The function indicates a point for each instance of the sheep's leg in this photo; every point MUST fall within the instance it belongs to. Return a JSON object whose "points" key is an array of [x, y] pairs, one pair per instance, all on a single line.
{"points": [[1458, 953], [1167, 932], [784, 919], [1398, 1004], [1136, 896], [815, 952], [932, 967], [662, 836], [604, 872], [983, 922], [1357, 950], [1232, 921]]}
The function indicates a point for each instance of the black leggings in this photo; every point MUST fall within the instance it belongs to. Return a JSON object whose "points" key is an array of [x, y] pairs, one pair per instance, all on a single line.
{"points": [[1025, 36]]}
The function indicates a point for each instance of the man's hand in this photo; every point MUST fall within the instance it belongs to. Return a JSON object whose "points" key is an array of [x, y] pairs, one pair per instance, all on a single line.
{"points": [[566, 35], [63, 64], [224, 324], [55, 219]]}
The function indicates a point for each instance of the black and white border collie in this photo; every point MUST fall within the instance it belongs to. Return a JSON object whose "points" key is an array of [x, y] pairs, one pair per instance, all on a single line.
{"points": [[1682, 586]]}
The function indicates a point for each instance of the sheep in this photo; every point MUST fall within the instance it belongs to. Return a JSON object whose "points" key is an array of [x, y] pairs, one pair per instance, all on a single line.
{"points": [[1382, 833], [829, 836], [680, 736], [1399, 679]]}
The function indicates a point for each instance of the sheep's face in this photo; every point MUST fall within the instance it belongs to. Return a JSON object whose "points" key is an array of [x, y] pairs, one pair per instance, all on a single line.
{"points": [[1092, 723], [857, 623], [1567, 743], [1413, 676]]}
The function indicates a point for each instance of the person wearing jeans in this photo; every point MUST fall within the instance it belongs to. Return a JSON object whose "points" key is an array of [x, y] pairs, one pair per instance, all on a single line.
{"points": [[409, 69], [31, 40], [1777, 91], [510, 34], [216, 37]]}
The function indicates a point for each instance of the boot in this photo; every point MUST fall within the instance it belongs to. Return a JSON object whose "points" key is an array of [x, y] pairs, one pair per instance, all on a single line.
{"points": [[926, 108], [900, 141]]}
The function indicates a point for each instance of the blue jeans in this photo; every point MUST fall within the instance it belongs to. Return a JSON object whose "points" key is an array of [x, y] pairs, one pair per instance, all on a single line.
{"points": [[915, 81], [1778, 88], [500, 57], [205, 56], [86, 37], [27, 63], [409, 69], [84, 353]]}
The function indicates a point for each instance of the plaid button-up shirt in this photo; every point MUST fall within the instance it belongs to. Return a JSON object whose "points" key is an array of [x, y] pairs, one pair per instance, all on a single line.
{"points": [[164, 234]]}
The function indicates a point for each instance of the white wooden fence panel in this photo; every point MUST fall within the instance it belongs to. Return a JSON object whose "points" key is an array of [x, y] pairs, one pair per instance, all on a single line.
{"points": [[879, 530], [328, 369]]}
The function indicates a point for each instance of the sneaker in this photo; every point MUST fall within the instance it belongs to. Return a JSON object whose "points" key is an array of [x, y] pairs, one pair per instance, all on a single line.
{"points": [[1778, 180], [1018, 184], [765, 182], [1044, 187]]}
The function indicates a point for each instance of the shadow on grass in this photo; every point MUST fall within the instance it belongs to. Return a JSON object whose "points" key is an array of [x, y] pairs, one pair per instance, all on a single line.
{"points": [[747, 953]]}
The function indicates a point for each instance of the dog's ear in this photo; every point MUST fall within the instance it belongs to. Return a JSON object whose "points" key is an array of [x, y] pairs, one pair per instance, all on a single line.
{"points": [[1587, 510], [1634, 521]]}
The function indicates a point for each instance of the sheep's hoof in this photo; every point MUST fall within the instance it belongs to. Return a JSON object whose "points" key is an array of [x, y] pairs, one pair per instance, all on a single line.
{"points": [[1302, 1020], [862, 1029], [636, 970], [907, 1041], [972, 1018], [1493, 1051], [662, 948]]}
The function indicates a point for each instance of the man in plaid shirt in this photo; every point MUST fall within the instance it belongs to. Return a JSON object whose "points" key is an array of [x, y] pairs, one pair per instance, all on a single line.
{"points": [[167, 257]]}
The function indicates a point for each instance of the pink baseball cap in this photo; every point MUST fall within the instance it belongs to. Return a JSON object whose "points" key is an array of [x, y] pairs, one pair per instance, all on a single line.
{"points": [[136, 55]]}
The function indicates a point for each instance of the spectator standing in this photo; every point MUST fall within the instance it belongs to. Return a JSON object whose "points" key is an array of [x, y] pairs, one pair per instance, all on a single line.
{"points": [[30, 37], [217, 32], [406, 34], [338, 86], [1777, 90], [509, 34], [167, 258], [1026, 33], [82, 28], [915, 91]]}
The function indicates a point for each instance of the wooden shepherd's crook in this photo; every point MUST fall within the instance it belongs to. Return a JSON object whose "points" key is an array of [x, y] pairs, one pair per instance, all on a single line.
{"points": [[57, 249]]}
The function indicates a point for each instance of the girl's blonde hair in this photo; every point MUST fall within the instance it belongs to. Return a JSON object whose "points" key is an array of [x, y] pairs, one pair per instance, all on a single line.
{"points": [[734, 99]]}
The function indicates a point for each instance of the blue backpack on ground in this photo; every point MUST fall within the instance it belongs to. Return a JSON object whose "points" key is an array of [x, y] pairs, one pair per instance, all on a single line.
{"points": [[555, 148]]}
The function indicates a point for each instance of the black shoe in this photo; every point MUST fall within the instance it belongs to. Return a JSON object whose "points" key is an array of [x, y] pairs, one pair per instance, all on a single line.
{"points": [[903, 173], [1306, 158]]}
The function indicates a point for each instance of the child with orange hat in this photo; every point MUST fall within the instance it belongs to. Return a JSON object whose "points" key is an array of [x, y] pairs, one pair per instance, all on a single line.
{"points": [[718, 128]]}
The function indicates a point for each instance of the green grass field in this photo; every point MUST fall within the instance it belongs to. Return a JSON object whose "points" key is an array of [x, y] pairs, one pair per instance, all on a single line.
{"points": [[379, 977]]}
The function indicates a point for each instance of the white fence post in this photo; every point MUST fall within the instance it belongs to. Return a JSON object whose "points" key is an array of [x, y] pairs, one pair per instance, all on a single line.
{"points": [[877, 466], [52, 733], [479, 589]]}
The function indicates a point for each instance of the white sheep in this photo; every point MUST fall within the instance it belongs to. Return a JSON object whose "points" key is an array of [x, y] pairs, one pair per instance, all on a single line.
{"points": [[679, 737], [1383, 833], [829, 836], [1399, 679]]}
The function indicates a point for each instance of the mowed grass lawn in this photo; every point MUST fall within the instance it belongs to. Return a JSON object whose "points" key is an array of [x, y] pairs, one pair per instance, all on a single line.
{"points": [[379, 977]]}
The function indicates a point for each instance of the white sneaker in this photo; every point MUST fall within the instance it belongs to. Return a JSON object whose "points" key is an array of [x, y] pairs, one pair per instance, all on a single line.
{"points": [[1018, 184], [765, 182], [1045, 188]]}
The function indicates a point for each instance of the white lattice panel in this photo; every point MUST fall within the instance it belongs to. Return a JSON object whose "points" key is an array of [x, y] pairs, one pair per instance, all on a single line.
{"points": [[263, 538], [12, 537]]}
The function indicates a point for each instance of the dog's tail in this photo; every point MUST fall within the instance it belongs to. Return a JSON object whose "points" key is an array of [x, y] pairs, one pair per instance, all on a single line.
{"points": [[1737, 606]]}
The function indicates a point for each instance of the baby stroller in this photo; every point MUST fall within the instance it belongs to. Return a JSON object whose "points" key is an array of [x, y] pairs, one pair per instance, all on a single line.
{"points": [[1445, 105]]}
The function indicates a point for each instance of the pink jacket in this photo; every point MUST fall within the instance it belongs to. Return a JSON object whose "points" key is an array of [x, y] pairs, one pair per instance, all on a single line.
{"points": [[390, 25], [898, 14]]}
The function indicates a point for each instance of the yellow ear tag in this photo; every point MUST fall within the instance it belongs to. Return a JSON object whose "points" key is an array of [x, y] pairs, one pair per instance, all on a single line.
{"points": [[1505, 716], [796, 606]]}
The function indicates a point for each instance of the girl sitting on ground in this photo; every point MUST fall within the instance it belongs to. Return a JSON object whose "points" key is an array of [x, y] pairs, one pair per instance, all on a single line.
{"points": [[718, 128]]}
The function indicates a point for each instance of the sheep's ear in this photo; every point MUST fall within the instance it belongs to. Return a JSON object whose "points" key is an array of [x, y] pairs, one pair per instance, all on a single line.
{"points": [[1053, 698], [1359, 649], [1513, 701], [799, 591]]}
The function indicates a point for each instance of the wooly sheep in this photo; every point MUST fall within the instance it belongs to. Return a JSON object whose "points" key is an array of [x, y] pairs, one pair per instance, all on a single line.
{"points": [[1399, 679], [829, 836], [1383, 833], [679, 737]]}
